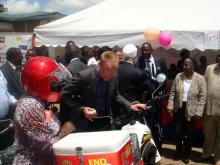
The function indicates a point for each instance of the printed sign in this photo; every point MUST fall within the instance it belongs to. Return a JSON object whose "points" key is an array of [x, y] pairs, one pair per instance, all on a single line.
{"points": [[212, 40]]}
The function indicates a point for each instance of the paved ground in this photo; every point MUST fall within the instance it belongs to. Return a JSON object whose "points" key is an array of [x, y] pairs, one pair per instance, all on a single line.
{"points": [[169, 150]]}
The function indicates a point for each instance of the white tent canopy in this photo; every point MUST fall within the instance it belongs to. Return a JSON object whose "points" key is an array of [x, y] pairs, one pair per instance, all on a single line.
{"points": [[194, 24]]}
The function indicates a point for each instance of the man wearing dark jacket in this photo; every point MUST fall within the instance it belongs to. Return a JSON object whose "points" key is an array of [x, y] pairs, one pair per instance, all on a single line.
{"points": [[148, 62], [70, 49], [94, 91], [154, 65], [132, 82], [75, 65], [11, 71]]}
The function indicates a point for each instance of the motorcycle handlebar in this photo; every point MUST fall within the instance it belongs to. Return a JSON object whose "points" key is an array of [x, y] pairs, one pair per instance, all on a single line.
{"points": [[10, 125]]}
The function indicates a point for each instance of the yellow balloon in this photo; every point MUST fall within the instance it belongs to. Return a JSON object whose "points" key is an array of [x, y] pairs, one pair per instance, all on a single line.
{"points": [[151, 34]]}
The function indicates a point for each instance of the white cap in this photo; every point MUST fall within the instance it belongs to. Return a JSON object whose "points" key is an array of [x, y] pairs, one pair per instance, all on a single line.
{"points": [[129, 50]]}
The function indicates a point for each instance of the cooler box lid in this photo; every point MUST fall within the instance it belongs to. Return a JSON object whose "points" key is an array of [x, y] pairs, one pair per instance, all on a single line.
{"points": [[92, 142]]}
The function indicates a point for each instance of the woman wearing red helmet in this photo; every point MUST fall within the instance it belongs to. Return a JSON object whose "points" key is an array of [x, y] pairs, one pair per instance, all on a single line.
{"points": [[37, 129]]}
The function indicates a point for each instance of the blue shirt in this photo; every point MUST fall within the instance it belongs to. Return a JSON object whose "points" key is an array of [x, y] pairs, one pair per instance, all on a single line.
{"points": [[5, 98], [101, 96]]}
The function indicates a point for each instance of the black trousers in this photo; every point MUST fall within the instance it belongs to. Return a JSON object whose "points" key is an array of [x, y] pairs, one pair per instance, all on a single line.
{"points": [[154, 121], [184, 132], [99, 125]]}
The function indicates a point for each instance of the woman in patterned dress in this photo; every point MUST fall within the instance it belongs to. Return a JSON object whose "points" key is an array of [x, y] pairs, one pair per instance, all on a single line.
{"points": [[37, 129]]}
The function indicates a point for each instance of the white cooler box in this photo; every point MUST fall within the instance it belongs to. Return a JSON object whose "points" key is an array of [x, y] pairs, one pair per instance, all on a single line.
{"points": [[94, 148]]}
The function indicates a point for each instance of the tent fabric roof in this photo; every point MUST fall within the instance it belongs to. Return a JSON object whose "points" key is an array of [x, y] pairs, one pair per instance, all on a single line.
{"points": [[29, 16], [117, 22]]}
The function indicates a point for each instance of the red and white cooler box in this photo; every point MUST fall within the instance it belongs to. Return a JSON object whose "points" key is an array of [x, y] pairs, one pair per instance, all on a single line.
{"points": [[94, 148]]}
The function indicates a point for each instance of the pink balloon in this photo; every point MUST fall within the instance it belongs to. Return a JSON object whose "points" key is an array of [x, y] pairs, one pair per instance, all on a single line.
{"points": [[165, 38]]}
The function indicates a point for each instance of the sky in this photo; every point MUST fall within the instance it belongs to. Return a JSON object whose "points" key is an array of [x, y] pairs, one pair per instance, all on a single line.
{"points": [[63, 6]]}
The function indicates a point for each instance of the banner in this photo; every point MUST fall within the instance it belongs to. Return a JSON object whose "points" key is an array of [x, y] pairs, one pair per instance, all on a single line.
{"points": [[18, 40], [212, 40]]}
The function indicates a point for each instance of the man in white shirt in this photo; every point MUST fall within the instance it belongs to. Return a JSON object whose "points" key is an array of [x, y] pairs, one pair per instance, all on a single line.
{"points": [[6, 139], [5, 98]]}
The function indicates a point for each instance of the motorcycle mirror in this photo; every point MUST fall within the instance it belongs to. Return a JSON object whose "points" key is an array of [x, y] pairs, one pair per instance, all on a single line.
{"points": [[161, 77]]}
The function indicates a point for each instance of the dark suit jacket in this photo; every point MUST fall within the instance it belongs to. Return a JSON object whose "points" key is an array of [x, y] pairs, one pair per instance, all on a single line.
{"points": [[132, 82], [83, 87], [160, 64], [75, 66], [62, 60], [13, 80]]}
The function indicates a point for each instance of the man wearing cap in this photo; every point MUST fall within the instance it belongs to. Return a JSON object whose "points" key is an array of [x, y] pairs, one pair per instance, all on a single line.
{"points": [[95, 89], [131, 80]]}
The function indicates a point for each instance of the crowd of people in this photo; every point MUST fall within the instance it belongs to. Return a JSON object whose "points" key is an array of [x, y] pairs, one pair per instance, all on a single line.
{"points": [[103, 81]]}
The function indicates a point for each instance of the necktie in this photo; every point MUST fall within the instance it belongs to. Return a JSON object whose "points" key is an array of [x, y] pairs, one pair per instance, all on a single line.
{"points": [[149, 67], [17, 68], [153, 71]]}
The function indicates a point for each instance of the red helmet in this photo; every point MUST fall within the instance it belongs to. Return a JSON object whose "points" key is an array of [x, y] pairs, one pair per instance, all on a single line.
{"points": [[38, 77]]}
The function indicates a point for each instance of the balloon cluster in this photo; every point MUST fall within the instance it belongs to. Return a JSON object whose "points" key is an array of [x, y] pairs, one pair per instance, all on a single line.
{"points": [[153, 34]]}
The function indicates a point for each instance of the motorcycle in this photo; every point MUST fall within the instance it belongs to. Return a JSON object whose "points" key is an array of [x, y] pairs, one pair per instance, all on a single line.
{"points": [[7, 149], [138, 125], [6, 129], [132, 143], [153, 117]]}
